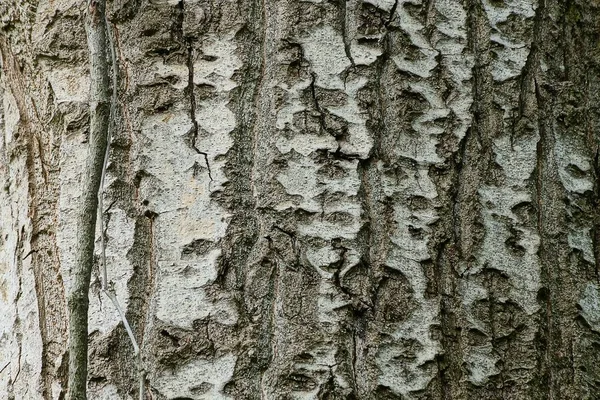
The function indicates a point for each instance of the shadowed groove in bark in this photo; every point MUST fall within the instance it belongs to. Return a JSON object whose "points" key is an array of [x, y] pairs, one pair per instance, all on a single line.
{"points": [[476, 152], [190, 58], [78, 301], [587, 359], [101, 212], [343, 4], [373, 237], [19, 256], [590, 53], [446, 263], [447, 239], [455, 250], [556, 328], [562, 90], [242, 232], [238, 195], [528, 116], [42, 170], [124, 189], [373, 244], [547, 186]]}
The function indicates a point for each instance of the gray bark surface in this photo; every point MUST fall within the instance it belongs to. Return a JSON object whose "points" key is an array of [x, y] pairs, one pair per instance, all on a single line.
{"points": [[362, 199]]}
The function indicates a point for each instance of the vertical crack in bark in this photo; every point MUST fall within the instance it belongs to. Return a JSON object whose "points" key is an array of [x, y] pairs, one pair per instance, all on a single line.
{"points": [[476, 147], [343, 21], [194, 133], [583, 63], [595, 231], [472, 163], [555, 336], [191, 90], [392, 13], [353, 361], [242, 236], [429, 14], [17, 323], [373, 238], [546, 332], [323, 114], [492, 309], [449, 362], [528, 119], [275, 277], [104, 226]]}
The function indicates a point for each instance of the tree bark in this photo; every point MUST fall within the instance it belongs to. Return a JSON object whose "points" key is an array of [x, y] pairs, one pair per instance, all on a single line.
{"points": [[362, 199]]}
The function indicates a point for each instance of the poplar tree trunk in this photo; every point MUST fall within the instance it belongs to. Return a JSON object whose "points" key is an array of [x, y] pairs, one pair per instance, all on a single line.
{"points": [[309, 199]]}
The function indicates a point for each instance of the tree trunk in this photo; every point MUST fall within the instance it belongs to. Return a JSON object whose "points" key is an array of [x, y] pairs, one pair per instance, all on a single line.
{"points": [[361, 199]]}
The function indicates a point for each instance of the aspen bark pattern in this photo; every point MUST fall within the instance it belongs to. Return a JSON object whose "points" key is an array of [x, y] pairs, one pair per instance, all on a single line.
{"points": [[316, 199]]}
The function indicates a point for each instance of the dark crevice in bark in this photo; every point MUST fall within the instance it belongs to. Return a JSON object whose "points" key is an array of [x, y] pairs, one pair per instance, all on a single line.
{"points": [[189, 45], [343, 22], [449, 363], [595, 231], [141, 288], [17, 323], [353, 352], [592, 121], [242, 234], [559, 288], [321, 112], [392, 13], [340, 134], [123, 194], [269, 326], [582, 59], [430, 13], [547, 335], [562, 90], [525, 119], [194, 133], [492, 310], [528, 121], [476, 149], [470, 166], [373, 237], [543, 335]]}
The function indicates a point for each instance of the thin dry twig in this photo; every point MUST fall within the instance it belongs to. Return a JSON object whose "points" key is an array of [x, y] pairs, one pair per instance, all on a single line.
{"points": [[104, 279]]}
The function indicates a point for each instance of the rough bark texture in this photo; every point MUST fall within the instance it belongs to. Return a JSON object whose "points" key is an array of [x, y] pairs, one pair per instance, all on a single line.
{"points": [[362, 199]]}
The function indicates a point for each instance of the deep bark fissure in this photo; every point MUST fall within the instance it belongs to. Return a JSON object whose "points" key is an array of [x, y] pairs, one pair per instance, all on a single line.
{"points": [[101, 213], [244, 221], [242, 234], [194, 133], [347, 41], [547, 329], [476, 155], [190, 58], [555, 335], [371, 239], [392, 13]]}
